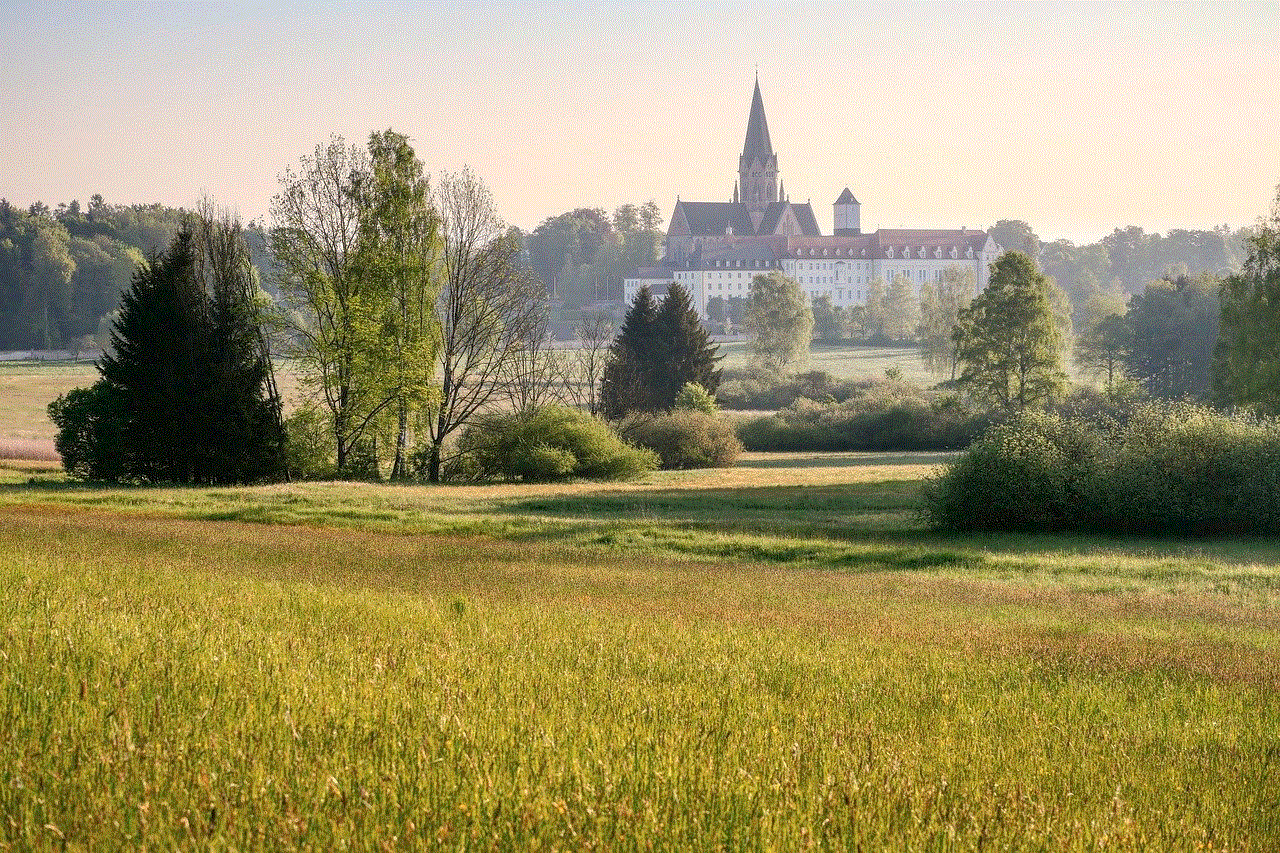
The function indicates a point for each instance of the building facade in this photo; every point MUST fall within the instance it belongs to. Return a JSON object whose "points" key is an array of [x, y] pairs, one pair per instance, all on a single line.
{"points": [[716, 248]]}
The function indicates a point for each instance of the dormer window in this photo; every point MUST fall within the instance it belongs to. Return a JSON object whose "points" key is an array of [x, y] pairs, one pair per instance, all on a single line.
{"points": [[968, 253], [954, 253]]}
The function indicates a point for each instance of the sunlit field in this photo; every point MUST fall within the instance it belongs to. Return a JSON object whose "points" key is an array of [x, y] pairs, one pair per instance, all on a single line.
{"points": [[848, 362], [774, 656], [26, 388]]}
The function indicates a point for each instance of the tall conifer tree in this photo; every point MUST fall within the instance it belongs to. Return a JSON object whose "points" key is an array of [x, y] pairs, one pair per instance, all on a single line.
{"points": [[624, 387], [685, 351]]}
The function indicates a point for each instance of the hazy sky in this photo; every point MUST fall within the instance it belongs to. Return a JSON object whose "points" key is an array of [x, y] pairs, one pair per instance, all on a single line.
{"points": [[1077, 117]]}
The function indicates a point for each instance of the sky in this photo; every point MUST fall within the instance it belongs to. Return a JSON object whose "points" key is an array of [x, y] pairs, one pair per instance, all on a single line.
{"points": [[1076, 117]]}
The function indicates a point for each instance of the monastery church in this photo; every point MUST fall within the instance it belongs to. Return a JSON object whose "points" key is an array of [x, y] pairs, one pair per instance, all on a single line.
{"points": [[716, 248]]}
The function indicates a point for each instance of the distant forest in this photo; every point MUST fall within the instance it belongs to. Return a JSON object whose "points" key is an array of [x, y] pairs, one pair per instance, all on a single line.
{"points": [[62, 270]]}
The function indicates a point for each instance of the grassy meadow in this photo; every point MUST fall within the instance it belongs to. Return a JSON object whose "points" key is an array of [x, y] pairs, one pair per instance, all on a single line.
{"points": [[26, 388], [774, 656]]}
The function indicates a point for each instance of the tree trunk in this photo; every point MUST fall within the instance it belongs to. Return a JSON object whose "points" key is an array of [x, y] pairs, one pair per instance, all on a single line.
{"points": [[398, 471], [433, 464]]}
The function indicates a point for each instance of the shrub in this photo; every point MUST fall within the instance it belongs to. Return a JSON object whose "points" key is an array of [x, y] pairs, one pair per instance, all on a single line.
{"points": [[91, 432], [1036, 472], [550, 443], [755, 388], [686, 438], [884, 416], [696, 398], [1166, 468]]}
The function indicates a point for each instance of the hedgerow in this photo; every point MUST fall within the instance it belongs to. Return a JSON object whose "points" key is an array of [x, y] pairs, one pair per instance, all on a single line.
{"points": [[1168, 468]]}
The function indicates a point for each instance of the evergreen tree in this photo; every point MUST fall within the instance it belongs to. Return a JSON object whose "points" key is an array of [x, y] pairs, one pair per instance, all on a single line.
{"points": [[683, 351], [625, 387], [189, 378]]}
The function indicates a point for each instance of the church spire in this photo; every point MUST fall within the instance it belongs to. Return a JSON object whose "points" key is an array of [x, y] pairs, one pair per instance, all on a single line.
{"points": [[758, 165], [757, 143]]}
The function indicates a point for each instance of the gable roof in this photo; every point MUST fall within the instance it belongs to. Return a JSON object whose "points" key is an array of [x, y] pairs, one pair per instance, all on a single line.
{"points": [[711, 218], [808, 223]]}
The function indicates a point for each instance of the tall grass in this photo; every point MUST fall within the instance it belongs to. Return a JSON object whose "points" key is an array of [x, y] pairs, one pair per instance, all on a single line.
{"points": [[200, 684]]}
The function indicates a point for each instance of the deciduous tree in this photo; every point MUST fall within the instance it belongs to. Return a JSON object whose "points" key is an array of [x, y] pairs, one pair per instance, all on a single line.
{"points": [[1247, 358], [1008, 341], [489, 307], [780, 320]]}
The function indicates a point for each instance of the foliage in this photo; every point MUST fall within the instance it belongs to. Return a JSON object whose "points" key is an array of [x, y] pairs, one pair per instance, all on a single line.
{"points": [[398, 247], [901, 310], [1175, 328], [491, 308], [1007, 339], [583, 255], [188, 374], [659, 349], [940, 309], [309, 445], [1247, 358], [1104, 347], [753, 388], [550, 443], [781, 321], [696, 398], [830, 322], [338, 304], [686, 438], [882, 416], [684, 352], [91, 433], [1165, 469], [624, 386]]}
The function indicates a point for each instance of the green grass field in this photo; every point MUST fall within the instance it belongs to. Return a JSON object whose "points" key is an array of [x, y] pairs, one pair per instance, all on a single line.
{"points": [[848, 362], [775, 656], [27, 387]]}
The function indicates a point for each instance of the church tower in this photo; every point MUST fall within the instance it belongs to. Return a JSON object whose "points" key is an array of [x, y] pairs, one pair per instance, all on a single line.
{"points": [[758, 165]]}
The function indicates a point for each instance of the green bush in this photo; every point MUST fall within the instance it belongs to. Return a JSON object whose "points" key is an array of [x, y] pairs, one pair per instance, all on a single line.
{"points": [[755, 388], [696, 398], [1166, 468], [91, 433], [884, 416], [685, 438], [550, 443]]}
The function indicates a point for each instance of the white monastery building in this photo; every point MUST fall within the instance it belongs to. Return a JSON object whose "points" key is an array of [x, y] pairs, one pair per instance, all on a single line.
{"points": [[716, 248]]}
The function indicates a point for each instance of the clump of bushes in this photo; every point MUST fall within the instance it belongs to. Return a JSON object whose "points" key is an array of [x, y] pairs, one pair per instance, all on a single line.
{"points": [[755, 388], [1165, 468], [549, 443], [686, 438], [882, 416]]}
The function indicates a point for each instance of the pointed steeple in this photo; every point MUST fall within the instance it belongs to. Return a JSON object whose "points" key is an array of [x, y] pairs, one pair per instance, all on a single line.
{"points": [[782, 191], [735, 192], [758, 165], [758, 143]]}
